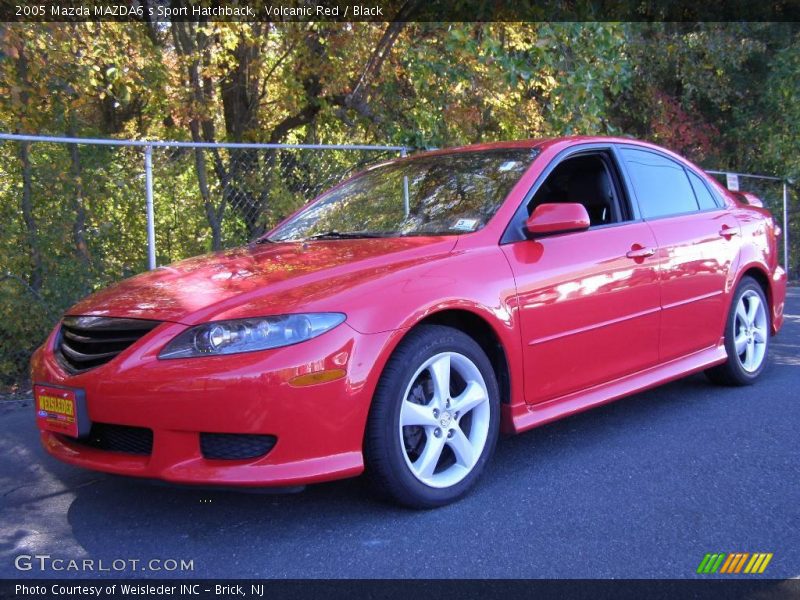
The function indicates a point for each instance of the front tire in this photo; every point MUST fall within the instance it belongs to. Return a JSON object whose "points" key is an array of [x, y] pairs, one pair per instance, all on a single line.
{"points": [[747, 337], [434, 420]]}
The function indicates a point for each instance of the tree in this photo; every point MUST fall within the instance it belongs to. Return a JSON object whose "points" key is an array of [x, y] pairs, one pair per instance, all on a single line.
{"points": [[71, 216]]}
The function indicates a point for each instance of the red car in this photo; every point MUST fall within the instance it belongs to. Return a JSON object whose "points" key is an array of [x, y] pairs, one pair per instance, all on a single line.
{"points": [[404, 318]]}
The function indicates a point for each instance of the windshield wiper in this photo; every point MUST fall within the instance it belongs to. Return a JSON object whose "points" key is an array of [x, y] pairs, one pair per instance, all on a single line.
{"points": [[345, 235], [264, 240]]}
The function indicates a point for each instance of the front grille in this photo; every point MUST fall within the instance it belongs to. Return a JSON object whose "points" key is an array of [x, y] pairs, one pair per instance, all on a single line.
{"points": [[118, 438], [88, 342], [235, 446]]}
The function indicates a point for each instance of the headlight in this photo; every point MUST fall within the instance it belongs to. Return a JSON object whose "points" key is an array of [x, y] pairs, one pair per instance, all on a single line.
{"points": [[249, 335]]}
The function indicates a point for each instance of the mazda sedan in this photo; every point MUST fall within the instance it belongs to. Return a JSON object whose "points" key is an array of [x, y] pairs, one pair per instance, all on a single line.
{"points": [[402, 320]]}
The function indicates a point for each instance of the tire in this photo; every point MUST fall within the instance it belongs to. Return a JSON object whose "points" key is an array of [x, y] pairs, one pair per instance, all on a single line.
{"points": [[442, 385], [748, 326]]}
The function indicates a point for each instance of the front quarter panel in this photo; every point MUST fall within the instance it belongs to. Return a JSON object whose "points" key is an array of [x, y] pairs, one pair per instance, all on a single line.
{"points": [[477, 280]]}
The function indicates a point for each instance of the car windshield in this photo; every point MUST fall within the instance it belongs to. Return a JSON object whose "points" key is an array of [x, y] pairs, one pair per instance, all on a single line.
{"points": [[430, 195]]}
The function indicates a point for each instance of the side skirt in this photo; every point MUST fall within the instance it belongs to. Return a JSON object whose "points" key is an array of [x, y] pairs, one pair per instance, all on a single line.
{"points": [[522, 417]]}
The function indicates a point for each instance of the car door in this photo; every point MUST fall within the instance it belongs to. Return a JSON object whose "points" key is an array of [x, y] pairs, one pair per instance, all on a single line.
{"points": [[697, 241], [588, 302]]}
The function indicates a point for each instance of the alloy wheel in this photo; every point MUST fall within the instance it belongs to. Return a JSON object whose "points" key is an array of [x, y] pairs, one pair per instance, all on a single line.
{"points": [[750, 331], [444, 419]]}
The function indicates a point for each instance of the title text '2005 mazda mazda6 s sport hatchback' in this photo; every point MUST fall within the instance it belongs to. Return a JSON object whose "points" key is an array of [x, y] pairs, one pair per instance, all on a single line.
{"points": [[404, 318]]}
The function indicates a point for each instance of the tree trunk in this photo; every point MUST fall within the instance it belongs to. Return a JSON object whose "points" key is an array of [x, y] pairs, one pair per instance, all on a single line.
{"points": [[239, 92], [212, 215], [79, 224], [186, 42], [26, 200], [31, 231]]}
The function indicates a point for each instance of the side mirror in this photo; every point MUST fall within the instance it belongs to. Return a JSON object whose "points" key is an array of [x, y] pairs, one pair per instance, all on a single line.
{"points": [[557, 218]]}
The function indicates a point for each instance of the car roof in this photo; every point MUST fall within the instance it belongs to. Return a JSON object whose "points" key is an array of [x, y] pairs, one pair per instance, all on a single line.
{"points": [[543, 143], [562, 143]]}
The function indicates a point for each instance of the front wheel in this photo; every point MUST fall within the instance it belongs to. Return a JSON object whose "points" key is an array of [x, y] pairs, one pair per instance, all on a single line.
{"points": [[747, 333], [434, 421]]}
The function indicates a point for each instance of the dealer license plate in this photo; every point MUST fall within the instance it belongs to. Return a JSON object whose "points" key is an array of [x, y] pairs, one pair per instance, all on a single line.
{"points": [[60, 409]]}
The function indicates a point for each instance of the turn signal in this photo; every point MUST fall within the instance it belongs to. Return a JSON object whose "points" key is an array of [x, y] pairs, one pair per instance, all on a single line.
{"points": [[317, 377]]}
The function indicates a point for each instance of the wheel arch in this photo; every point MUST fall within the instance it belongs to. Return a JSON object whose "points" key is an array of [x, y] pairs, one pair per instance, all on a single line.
{"points": [[480, 330], [761, 278], [495, 339], [759, 273]]}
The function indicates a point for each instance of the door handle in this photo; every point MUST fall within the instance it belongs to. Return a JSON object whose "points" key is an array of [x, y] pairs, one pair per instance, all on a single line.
{"points": [[640, 252], [728, 232]]}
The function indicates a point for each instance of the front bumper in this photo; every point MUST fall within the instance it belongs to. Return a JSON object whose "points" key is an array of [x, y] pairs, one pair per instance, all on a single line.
{"points": [[319, 428]]}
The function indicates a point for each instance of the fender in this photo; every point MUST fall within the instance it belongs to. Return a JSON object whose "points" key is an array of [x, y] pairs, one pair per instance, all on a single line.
{"points": [[491, 299], [506, 332]]}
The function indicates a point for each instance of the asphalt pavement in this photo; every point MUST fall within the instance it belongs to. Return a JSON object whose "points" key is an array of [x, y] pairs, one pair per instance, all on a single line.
{"points": [[641, 488]]}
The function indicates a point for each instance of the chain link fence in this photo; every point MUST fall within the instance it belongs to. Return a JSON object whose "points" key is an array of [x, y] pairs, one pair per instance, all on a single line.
{"points": [[75, 217], [210, 198]]}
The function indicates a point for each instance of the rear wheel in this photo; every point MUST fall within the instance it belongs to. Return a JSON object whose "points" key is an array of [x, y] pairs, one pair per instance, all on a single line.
{"points": [[747, 337], [434, 421]]}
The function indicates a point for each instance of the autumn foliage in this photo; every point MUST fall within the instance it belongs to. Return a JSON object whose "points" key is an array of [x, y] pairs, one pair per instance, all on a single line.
{"points": [[71, 216]]}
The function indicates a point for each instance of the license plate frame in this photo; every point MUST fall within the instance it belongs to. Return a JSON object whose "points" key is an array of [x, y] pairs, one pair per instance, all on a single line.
{"points": [[61, 409]]}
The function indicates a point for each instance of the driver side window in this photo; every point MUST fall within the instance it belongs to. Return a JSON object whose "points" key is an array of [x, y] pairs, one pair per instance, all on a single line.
{"points": [[588, 180]]}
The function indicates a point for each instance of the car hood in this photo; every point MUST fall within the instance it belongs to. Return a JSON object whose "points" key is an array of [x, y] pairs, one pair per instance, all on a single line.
{"points": [[259, 279]]}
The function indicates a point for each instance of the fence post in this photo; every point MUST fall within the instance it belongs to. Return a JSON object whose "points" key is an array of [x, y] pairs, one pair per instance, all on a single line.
{"points": [[406, 208], [786, 228], [151, 226]]}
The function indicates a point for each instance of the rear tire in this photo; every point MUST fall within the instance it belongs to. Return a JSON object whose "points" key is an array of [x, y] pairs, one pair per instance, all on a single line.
{"points": [[434, 420], [747, 337]]}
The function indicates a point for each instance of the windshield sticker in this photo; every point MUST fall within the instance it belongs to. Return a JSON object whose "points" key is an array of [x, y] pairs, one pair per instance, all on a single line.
{"points": [[508, 165], [466, 225]]}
